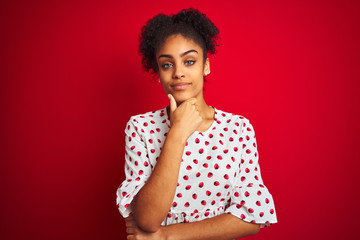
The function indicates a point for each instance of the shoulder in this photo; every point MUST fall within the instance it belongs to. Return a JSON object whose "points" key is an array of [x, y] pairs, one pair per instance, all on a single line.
{"points": [[236, 122], [152, 121], [148, 117], [228, 117]]}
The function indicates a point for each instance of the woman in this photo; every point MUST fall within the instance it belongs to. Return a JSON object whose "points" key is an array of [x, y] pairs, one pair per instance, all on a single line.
{"points": [[189, 162]]}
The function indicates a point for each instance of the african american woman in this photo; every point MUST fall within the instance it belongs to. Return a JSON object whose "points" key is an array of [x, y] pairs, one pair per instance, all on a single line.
{"points": [[192, 170]]}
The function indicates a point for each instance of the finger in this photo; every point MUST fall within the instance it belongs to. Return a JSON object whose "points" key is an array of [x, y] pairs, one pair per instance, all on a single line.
{"points": [[129, 218], [130, 224], [173, 105], [130, 231]]}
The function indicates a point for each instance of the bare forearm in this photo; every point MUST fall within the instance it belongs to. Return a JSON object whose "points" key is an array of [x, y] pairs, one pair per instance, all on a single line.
{"points": [[222, 227], [153, 201]]}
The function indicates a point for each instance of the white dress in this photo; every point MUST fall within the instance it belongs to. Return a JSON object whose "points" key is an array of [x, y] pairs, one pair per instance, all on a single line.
{"points": [[219, 172]]}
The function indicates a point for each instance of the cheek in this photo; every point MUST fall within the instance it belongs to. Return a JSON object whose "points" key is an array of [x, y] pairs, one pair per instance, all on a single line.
{"points": [[164, 74], [199, 83], [199, 76]]}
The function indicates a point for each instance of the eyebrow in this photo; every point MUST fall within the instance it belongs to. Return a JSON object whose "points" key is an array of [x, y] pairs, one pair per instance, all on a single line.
{"points": [[183, 54]]}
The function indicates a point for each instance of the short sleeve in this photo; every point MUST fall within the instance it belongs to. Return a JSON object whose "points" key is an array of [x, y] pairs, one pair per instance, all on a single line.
{"points": [[137, 168], [250, 200]]}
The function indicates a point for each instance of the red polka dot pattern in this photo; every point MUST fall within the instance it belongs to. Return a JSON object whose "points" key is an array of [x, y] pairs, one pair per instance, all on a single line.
{"points": [[219, 172]]}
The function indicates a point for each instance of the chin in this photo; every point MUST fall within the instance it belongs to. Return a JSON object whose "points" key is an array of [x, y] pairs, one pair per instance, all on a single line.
{"points": [[179, 98]]}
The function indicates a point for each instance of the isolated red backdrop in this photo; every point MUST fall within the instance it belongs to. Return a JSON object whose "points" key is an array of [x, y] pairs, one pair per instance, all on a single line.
{"points": [[71, 78]]}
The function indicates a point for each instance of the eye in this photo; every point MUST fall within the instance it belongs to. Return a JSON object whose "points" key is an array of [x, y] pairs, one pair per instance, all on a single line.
{"points": [[166, 65], [190, 62]]}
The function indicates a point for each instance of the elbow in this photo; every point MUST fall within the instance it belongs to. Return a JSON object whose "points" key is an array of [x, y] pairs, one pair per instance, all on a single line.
{"points": [[146, 222], [147, 225], [255, 229], [149, 228]]}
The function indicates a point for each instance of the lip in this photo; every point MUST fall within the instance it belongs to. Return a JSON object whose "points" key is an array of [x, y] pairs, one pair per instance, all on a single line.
{"points": [[180, 86]]}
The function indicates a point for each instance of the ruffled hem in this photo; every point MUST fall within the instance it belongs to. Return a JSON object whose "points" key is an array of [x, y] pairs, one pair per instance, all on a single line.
{"points": [[253, 204], [186, 217], [243, 215], [125, 195]]}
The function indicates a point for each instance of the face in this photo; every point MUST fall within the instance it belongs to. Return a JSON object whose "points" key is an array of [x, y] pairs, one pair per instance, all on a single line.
{"points": [[182, 68]]}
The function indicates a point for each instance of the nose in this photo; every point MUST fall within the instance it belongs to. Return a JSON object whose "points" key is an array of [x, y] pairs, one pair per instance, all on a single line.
{"points": [[178, 72]]}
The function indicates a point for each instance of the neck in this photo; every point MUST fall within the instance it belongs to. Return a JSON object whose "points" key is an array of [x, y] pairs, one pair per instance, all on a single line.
{"points": [[206, 112]]}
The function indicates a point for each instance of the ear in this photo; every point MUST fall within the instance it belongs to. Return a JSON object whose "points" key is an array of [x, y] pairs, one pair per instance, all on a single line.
{"points": [[206, 67]]}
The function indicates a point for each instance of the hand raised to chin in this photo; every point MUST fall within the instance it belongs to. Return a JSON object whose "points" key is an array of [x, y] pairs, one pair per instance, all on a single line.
{"points": [[185, 117]]}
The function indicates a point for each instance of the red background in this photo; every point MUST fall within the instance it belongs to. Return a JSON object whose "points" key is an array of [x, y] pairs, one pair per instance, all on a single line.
{"points": [[71, 78]]}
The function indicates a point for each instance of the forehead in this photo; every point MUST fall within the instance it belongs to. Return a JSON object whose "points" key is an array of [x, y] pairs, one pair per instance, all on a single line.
{"points": [[177, 44]]}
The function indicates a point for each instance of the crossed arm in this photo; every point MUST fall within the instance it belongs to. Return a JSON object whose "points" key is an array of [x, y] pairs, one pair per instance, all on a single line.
{"points": [[222, 227]]}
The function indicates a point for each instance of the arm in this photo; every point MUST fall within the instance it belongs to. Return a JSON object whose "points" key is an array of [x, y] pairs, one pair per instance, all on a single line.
{"points": [[153, 201], [222, 227]]}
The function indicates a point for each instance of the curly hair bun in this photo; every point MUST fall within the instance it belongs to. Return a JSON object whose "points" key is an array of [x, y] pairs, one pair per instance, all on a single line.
{"points": [[190, 23], [201, 24]]}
